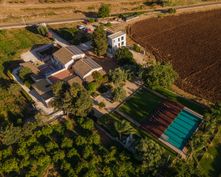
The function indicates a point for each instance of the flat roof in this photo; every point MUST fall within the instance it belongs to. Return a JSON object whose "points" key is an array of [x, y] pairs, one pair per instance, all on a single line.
{"points": [[117, 34], [62, 75]]}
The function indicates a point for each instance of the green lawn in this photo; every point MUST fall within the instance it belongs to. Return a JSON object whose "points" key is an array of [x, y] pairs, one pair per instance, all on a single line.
{"points": [[210, 164], [140, 105], [188, 103], [12, 43]]}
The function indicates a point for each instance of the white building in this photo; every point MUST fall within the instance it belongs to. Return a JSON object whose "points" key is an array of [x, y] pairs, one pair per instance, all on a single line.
{"points": [[116, 40]]}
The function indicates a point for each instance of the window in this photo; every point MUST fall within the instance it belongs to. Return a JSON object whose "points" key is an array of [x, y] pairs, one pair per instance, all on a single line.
{"points": [[118, 39], [122, 43], [122, 38]]}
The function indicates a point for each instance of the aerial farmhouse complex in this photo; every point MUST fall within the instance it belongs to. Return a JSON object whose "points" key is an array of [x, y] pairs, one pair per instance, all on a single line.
{"points": [[58, 63], [132, 92]]}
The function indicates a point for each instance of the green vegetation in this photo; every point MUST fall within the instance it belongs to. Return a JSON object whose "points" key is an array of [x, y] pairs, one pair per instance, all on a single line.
{"points": [[119, 94], [72, 100], [43, 30], [118, 77], [186, 102], [171, 10], [25, 75], [104, 11], [126, 16], [140, 105], [159, 75], [99, 40], [124, 56], [137, 48], [14, 105], [70, 152], [73, 35], [210, 163], [150, 155]]}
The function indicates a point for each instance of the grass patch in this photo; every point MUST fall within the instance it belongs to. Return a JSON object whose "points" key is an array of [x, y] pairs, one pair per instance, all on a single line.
{"points": [[13, 104], [188, 103], [210, 163], [140, 105]]}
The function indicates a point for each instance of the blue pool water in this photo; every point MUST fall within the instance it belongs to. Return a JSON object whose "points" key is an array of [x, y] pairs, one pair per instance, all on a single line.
{"points": [[181, 129]]}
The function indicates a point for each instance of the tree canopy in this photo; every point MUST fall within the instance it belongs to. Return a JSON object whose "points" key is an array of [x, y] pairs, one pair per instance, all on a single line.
{"points": [[124, 56], [104, 11], [99, 40], [118, 76], [159, 75], [73, 100]]}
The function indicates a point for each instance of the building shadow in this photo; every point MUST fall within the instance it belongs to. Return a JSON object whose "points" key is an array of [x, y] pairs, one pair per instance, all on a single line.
{"points": [[10, 65]]}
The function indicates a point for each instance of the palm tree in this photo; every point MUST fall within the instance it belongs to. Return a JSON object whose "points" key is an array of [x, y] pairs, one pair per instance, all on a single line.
{"points": [[124, 127]]}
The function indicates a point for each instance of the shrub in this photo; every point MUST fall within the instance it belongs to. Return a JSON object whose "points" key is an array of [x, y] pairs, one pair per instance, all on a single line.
{"points": [[91, 20], [101, 105], [136, 48], [108, 24], [104, 11], [24, 74], [118, 76], [171, 11], [119, 94], [43, 30], [92, 87]]}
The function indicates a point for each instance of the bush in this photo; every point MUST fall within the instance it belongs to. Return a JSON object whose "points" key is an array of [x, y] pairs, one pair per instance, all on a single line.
{"points": [[136, 48], [91, 20], [171, 11], [101, 105], [104, 11], [119, 94], [118, 76], [92, 87], [43, 30], [24, 74], [108, 24]]}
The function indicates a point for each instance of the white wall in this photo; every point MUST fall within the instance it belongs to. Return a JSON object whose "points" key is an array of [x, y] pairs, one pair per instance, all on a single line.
{"points": [[93, 70], [117, 42]]}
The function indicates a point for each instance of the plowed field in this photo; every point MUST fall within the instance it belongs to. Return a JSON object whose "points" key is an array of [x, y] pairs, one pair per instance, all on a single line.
{"points": [[192, 43]]}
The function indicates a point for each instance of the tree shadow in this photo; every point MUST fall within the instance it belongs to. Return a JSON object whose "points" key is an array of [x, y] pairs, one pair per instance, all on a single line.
{"points": [[32, 29], [90, 14], [156, 2], [10, 65], [5, 83]]}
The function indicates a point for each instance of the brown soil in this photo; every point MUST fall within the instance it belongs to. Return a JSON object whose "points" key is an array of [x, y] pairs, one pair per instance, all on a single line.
{"points": [[192, 42], [32, 10]]}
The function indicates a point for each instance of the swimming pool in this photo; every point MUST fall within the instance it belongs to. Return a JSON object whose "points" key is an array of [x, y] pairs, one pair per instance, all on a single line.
{"points": [[181, 129]]}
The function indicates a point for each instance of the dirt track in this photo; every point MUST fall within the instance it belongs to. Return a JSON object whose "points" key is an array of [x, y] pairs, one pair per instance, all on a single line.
{"points": [[192, 42]]}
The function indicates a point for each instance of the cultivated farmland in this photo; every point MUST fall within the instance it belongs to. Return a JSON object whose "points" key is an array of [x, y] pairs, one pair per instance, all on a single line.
{"points": [[192, 42]]}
